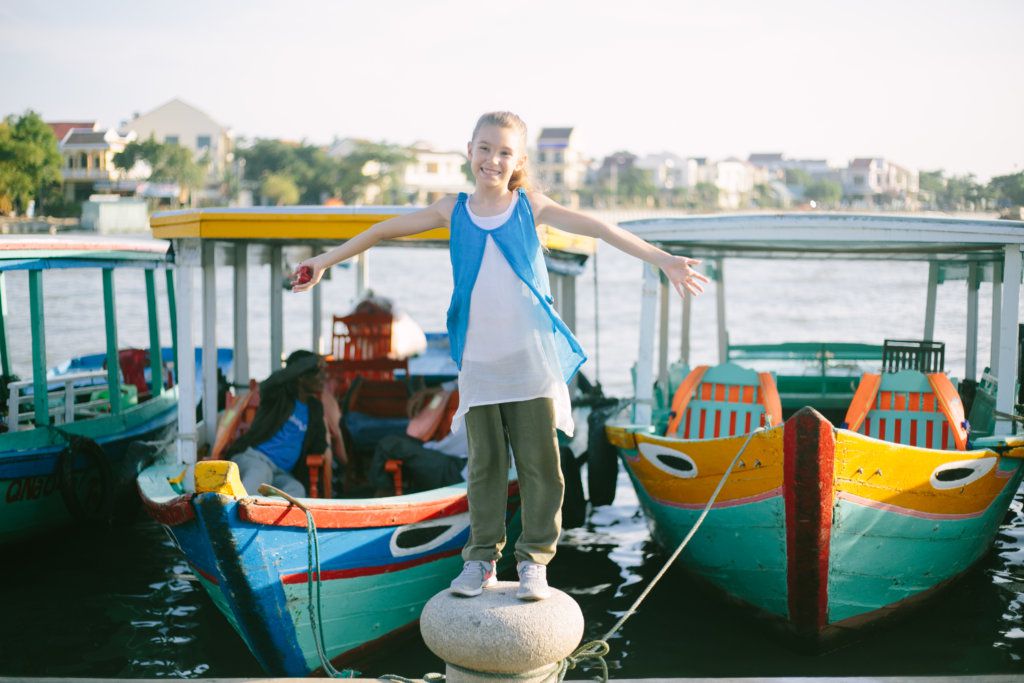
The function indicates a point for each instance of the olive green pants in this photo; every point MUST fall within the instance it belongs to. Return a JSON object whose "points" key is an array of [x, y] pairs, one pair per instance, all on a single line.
{"points": [[529, 427]]}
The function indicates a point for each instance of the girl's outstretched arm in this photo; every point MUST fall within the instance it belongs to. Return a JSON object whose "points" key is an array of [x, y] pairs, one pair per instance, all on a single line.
{"points": [[308, 273], [678, 269]]}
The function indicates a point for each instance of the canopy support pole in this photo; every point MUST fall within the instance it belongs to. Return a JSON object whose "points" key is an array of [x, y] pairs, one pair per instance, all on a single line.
{"points": [[276, 310], [971, 360], [5, 361], [929, 308], [362, 275], [240, 363], [172, 314], [209, 433], [110, 323], [188, 258], [318, 322], [663, 334], [35, 303], [723, 334], [156, 374], [684, 342], [997, 297], [1008, 321], [645, 356]]}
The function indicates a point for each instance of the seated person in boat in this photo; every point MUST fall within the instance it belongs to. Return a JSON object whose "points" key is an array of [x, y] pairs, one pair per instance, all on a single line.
{"points": [[289, 424], [432, 455]]}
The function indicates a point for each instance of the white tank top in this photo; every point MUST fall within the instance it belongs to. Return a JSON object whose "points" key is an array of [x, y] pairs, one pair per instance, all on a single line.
{"points": [[509, 353]]}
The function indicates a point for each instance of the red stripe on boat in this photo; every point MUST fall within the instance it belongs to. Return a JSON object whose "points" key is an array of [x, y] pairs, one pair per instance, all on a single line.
{"points": [[332, 574], [335, 514], [331, 515], [809, 444]]}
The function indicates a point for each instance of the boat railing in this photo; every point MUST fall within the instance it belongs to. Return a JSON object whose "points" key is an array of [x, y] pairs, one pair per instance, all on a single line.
{"points": [[62, 397]]}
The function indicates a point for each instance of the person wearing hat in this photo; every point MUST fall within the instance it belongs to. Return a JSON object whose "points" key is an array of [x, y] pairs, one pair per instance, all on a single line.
{"points": [[289, 423]]}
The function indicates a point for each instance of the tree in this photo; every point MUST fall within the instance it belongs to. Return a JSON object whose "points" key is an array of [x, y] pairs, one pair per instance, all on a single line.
{"points": [[30, 161], [168, 163], [373, 164], [797, 177], [824, 192], [706, 195], [279, 189], [1008, 189]]}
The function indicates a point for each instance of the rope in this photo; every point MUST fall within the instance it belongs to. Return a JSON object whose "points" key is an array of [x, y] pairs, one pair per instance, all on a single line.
{"points": [[316, 622], [597, 649]]}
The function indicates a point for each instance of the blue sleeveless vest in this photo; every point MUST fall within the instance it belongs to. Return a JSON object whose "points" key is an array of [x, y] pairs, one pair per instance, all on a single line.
{"points": [[517, 240]]}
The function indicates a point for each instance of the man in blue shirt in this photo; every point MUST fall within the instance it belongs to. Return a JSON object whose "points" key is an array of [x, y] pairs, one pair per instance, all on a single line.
{"points": [[289, 423]]}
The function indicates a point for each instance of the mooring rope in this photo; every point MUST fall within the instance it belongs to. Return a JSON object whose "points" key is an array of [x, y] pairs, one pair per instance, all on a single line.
{"points": [[316, 622], [591, 650], [597, 649]]}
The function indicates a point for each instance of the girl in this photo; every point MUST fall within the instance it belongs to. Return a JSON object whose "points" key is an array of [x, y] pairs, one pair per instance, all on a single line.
{"points": [[515, 355]]}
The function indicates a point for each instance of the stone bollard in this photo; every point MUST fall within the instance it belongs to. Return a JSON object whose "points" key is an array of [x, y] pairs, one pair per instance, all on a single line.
{"points": [[495, 633]]}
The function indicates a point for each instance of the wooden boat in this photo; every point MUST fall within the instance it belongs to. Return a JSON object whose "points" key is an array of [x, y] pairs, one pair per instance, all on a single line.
{"points": [[847, 504], [380, 559], [65, 433]]}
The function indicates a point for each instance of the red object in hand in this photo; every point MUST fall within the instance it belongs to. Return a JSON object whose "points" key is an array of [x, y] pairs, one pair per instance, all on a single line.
{"points": [[303, 275]]}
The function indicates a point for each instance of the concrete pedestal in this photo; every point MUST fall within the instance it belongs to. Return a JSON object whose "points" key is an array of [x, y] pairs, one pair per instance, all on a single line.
{"points": [[496, 633]]}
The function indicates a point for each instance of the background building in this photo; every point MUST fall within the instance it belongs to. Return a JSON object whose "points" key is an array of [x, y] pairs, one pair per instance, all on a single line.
{"points": [[87, 160], [560, 166], [178, 122]]}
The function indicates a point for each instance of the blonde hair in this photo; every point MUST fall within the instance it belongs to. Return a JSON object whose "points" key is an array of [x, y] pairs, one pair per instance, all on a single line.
{"points": [[506, 119]]}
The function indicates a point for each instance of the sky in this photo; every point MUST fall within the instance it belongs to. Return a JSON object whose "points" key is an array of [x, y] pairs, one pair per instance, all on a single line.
{"points": [[930, 84]]}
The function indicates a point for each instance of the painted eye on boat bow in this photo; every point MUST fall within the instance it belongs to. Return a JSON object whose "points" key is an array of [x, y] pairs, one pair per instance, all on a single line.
{"points": [[669, 460], [953, 475], [414, 539]]}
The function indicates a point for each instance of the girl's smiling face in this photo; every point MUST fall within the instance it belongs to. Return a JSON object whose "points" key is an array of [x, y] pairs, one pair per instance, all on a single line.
{"points": [[495, 153]]}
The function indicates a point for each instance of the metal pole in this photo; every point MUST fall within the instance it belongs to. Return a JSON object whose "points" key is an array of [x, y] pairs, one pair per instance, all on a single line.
{"points": [[1006, 393], [276, 309], [362, 275], [929, 307], [723, 334], [971, 359], [209, 433], [156, 379], [35, 303], [997, 297], [5, 361], [188, 259], [172, 313], [110, 320], [318, 315], [684, 341], [663, 335], [241, 313], [645, 355]]}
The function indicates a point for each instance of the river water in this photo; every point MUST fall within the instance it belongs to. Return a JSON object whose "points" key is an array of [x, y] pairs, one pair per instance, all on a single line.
{"points": [[122, 602]]}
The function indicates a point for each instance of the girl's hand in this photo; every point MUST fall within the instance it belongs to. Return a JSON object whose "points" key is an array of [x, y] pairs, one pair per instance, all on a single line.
{"points": [[307, 274], [679, 271]]}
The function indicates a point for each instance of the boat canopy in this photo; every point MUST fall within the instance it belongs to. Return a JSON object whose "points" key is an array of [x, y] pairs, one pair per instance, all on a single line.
{"points": [[833, 236], [197, 234], [79, 251], [976, 250]]}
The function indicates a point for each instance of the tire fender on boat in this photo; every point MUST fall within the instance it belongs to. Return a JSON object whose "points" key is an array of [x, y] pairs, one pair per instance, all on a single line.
{"points": [[602, 457], [92, 502]]}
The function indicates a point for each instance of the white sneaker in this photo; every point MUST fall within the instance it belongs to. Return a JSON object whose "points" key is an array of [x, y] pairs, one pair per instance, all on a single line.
{"points": [[533, 581], [475, 576]]}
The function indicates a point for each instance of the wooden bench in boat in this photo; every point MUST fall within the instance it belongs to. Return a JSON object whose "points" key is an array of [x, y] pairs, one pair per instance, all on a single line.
{"points": [[909, 407], [720, 401]]}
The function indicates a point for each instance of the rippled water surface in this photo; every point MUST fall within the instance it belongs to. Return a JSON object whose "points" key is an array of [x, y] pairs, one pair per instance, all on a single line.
{"points": [[122, 603]]}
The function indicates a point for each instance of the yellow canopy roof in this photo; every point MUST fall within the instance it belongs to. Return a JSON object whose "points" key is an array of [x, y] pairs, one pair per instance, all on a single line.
{"points": [[304, 224]]}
